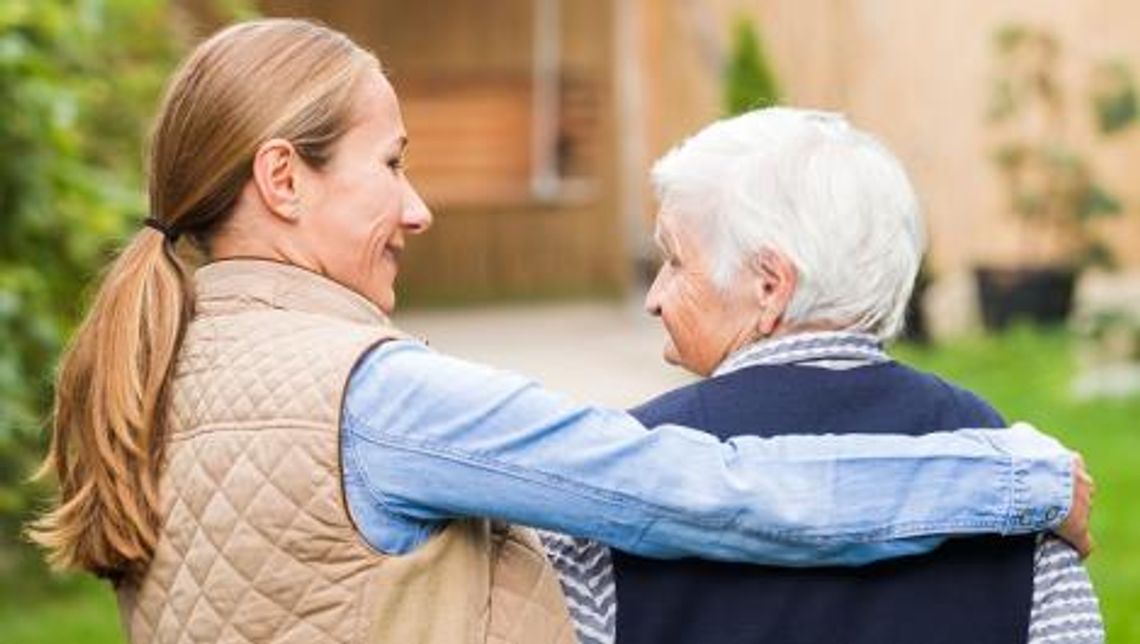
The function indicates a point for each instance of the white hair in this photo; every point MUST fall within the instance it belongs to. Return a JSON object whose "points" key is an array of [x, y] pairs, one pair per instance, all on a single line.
{"points": [[809, 186]]}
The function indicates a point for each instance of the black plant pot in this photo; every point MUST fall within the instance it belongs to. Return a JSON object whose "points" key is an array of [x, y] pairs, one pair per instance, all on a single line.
{"points": [[916, 329], [1043, 296]]}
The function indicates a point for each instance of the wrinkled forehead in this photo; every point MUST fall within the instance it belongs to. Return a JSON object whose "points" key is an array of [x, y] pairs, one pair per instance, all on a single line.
{"points": [[678, 232], [693, 206]]}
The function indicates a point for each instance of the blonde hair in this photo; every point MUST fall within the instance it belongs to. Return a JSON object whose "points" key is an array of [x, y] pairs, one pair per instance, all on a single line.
{"points": [[248, 83]]}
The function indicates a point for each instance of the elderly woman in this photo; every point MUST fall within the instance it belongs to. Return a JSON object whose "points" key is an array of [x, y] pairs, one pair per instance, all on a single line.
{"points": [[251, 452], [791, 242]]}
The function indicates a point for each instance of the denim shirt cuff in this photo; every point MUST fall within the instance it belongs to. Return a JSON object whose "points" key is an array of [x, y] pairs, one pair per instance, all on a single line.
{"points": [[1042, 480]]}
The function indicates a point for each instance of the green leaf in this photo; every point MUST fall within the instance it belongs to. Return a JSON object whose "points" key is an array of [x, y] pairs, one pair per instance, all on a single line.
{"points": [[1114, 96], [1009, 37], [1011, 156], [1098, 202], [750, 82], [1097, 254]]}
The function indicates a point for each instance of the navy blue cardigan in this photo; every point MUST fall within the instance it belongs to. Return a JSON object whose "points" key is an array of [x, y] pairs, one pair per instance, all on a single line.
{"points": [[976, 590]]}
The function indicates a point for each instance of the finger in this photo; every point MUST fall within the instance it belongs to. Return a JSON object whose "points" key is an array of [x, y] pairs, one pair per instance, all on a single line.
{"points": [[1081, 545]]}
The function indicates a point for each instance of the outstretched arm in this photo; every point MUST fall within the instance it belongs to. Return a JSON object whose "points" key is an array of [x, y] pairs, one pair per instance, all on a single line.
{"points": [[429, 437]]}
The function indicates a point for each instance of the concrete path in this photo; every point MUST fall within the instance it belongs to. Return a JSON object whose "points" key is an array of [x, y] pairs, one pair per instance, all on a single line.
{"points": [[608, 353]]}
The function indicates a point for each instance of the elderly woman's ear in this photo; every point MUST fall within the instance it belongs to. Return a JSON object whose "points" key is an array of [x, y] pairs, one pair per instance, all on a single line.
{"points": [[774, 283]]}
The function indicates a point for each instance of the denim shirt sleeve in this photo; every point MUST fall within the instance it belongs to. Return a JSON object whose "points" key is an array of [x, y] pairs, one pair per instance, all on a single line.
{"points": [[427, 438]]}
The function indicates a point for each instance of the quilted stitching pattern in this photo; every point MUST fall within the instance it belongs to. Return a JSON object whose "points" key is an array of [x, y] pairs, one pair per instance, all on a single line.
{"points": [[522, 577], [257, 545], [251, 492]]}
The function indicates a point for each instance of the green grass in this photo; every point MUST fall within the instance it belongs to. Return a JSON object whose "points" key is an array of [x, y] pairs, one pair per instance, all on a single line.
{"points": [[1026, 374], [81, 611]]}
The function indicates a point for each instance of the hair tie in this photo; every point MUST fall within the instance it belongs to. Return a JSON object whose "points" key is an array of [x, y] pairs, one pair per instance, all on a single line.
{"points": [[169, 232]]}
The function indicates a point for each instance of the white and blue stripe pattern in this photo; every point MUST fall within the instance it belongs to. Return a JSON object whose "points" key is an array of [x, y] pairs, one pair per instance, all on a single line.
{"points": [[1064, 610], [587, 576], [826, 349]]}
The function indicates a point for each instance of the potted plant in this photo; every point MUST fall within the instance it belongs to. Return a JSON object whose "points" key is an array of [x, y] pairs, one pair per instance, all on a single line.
{"points": [[916, 327], [1050, 185]]}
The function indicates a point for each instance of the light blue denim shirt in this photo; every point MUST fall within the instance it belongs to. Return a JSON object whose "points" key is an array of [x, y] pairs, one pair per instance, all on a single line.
{"points": [[427, 438]]}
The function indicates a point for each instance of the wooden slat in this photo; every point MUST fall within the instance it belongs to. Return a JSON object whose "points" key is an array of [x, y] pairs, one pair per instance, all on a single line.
{"points": [[471, 134], [470, 137]]}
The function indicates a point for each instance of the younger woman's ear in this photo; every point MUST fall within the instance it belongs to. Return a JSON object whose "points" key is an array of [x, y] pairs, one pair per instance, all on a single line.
{"points": [[275, 173], [775, 284]]}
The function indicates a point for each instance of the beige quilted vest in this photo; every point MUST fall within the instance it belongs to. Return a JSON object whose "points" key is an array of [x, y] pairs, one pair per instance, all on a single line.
{"points": [[257, 544]]}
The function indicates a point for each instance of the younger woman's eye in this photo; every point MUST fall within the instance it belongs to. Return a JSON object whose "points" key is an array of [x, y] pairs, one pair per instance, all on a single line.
{"points": [[397, 164]]}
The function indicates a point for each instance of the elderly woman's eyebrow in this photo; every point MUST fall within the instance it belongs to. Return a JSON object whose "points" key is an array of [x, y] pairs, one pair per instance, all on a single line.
{"points": [[667, 241]]}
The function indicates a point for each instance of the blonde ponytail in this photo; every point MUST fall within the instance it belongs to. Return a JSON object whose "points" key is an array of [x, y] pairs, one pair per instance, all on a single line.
{"points": [[109, 421], [249, 83]]}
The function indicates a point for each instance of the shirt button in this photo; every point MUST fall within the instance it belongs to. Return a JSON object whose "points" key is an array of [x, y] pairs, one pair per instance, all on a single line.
{"points": [[1052, 514]]}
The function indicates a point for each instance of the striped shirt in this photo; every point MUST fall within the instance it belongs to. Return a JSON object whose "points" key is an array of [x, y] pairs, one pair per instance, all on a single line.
{"points": [[1064, 609]]}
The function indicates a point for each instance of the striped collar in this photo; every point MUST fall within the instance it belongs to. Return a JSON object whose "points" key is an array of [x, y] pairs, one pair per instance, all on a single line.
{"points": [[826, 349]]}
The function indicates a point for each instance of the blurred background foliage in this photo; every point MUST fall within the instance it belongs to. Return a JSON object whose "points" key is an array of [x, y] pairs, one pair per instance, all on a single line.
{"points": [[750, 81], [78, 81], [1052, 183]]}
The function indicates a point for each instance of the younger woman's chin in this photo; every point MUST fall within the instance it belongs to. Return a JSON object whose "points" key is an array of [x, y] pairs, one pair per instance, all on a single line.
{"points": [[387, 303], [384, 300]]}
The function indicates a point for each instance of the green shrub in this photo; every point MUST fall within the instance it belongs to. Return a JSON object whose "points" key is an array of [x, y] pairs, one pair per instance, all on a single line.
{"points": [[78, 79], [750, 82]]}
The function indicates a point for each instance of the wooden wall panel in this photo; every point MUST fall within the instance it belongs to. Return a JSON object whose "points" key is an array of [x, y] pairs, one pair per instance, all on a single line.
{"points": [[917, 75], [516, 247]]}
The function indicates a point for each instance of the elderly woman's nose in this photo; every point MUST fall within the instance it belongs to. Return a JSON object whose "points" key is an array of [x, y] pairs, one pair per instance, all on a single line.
{"points": [[653, 297], [416, 217]]}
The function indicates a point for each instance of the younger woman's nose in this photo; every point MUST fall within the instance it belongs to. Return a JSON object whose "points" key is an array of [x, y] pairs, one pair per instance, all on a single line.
{"points": [[416, 216]]}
